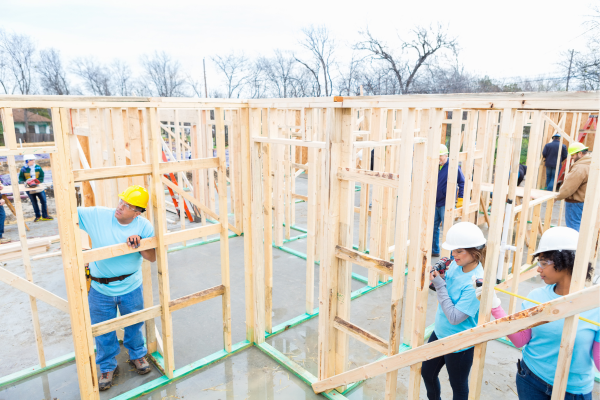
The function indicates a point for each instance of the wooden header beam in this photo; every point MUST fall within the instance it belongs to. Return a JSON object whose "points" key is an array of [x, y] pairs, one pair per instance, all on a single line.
{"points": [[576, 101]]}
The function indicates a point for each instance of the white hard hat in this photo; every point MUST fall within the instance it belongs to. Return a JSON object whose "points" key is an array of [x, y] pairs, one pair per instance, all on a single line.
{"points": [[464, 235], [28, 157], [558, 238]]}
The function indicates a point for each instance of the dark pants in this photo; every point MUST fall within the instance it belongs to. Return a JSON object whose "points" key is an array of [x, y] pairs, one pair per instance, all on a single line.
{"points": [[438, 226], [550, 178], [2, 218], [34, 202], [458, 366], [532, 387]]}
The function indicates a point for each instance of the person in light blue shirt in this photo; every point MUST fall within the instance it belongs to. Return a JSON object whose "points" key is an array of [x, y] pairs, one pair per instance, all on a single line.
{"points": [[117, 281], [458, 308], [541, 344]]}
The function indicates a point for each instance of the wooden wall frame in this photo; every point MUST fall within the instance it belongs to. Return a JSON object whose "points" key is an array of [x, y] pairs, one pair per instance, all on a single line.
{"points": [[264, 137]]}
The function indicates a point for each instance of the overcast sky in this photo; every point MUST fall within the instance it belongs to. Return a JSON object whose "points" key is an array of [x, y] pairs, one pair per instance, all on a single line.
{"points": [[501, 39]]}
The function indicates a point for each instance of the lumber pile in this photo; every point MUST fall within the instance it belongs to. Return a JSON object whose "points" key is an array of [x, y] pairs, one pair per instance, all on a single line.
{"points": [[12, 251]]}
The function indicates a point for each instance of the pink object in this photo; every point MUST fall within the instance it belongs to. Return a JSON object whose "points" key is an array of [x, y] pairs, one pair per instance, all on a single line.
{"points": [[519, 339], [596, 354]]}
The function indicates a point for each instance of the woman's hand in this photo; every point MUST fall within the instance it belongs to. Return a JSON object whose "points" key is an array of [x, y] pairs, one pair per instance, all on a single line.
{"points": [[433, 273]]}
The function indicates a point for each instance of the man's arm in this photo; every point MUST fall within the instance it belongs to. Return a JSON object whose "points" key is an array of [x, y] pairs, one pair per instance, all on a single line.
{"points": [[41, 177], [563, 153], [571, 183], [461, 183], [149, 254], [22, 175]]}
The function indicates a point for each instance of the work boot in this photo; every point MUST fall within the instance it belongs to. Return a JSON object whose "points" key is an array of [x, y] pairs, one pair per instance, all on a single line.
{"points": [[106, 379], [141, 365]]}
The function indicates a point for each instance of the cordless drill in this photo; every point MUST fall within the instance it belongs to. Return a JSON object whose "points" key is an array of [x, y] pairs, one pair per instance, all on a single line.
{"points": [[441, 267]]}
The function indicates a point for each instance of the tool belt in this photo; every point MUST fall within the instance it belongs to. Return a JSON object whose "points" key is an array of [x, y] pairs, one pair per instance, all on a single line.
{"points": [[106, 281]]}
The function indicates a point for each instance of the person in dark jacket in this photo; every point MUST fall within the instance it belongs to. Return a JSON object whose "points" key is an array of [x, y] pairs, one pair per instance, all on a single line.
{"points": [[32, 170], [440, 201], [550, 154]]}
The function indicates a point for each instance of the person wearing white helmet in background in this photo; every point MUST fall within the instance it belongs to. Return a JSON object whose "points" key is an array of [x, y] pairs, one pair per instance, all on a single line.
{"points": [[32, 175], [541, 344], [440, 197], [458, 308]]}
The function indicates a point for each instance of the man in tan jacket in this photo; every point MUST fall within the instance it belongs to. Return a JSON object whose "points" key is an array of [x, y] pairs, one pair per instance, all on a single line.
{"points": [[574, 186]]}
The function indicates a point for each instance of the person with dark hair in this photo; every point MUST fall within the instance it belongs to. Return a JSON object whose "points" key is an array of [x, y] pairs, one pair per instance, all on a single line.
{"points": [[574, 186], [117, 281], [541, 344], [550, 154], [458, 308]]}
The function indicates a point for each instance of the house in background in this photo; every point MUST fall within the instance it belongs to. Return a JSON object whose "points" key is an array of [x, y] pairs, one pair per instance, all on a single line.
{"points": [[36, 123], [37, 128]]}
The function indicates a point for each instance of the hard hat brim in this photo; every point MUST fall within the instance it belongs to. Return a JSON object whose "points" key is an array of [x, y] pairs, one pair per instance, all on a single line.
{"points": [[448, 246]]}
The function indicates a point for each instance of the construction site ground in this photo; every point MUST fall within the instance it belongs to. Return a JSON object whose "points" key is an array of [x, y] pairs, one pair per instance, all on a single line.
{"points": [[197, 330]]}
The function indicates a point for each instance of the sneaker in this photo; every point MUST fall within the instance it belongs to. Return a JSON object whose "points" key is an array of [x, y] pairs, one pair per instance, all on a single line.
{"points": [[106, 379], [5, 240], [141, 365], [48, 218], [37, 219], [435, 254]]}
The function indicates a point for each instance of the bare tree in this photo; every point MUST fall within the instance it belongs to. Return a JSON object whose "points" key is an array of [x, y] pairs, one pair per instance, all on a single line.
{"points": [[122, 78], [197, 86], [281, 73], [406, 60], [349, 79], [319, 42], [257, 79], [17, 52], [164, 74], [235, 69], [96, 77], [53, 77]]}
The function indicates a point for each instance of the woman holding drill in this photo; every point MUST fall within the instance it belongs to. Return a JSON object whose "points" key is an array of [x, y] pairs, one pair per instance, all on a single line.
{"points": [[458, 308]]}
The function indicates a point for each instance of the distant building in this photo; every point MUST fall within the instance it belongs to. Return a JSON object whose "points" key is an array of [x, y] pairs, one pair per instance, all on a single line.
{"points": [[37, 123]]}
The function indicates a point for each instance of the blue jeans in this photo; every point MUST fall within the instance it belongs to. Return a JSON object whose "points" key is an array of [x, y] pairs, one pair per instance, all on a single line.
{"points": [[437, 221], [532, 387], [103, 308], [2, 218], [458, 366], [550, 178], [573, 213], [36, 208]]}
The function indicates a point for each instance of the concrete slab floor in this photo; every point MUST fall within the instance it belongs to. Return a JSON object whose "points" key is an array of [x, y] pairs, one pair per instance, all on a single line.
{"points": [[197, 332]]}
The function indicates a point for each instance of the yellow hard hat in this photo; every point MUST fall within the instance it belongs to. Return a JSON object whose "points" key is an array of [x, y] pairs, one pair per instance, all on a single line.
{"points": [[576, 148], [136, 196], [443, 149]]}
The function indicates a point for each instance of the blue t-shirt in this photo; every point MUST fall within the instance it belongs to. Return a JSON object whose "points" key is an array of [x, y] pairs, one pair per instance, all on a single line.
{"points": [[104, 230], [462, 293], [541, 353]]}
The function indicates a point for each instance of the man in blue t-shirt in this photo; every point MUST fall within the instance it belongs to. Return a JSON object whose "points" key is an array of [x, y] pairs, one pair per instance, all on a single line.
{"points": [[440, 198], [117, 281]]}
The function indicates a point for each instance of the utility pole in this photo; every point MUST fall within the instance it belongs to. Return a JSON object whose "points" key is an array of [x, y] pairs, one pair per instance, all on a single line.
{"points": [[572, 52], [205, 87]]}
